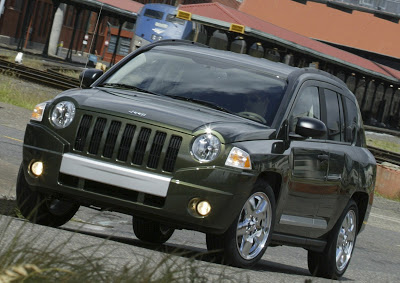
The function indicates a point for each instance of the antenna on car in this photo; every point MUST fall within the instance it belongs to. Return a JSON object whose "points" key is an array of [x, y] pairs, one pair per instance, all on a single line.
{"points": [[91, 42]]}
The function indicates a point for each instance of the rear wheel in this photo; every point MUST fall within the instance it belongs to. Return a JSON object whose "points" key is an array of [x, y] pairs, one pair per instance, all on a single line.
{"points": [[333, 262], [40, 208], [246, 240], [151, 231]]}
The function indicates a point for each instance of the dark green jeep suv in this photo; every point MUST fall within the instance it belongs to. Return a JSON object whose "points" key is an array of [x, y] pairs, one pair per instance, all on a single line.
{"points": [[252, 153]]}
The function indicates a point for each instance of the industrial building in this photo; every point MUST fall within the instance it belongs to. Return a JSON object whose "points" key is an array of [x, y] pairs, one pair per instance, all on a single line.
{"points": [[104, 28]]}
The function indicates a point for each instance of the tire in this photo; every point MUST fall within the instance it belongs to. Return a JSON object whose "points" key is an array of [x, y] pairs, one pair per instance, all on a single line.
{"points": [[245, 241], [341, 240], [41, 209], [151, 231]]}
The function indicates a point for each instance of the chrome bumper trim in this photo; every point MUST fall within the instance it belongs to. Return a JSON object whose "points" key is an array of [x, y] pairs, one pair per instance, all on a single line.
{"points": [[303, 221], [114, 175]]}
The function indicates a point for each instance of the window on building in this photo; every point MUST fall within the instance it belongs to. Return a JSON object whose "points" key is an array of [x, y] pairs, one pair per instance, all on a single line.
{"points": [[129, 25], [123, 47]]}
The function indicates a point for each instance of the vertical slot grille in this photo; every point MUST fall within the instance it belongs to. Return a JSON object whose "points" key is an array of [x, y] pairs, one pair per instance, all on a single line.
{"points": [[140, 149], [96, 136], [111, 139], [126, 142], [82, 132], [172, 153], [156, 149]]}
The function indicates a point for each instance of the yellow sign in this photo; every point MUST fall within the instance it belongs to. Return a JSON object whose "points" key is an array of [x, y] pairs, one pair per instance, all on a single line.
{"points": [[184, 15], [237, 28]]}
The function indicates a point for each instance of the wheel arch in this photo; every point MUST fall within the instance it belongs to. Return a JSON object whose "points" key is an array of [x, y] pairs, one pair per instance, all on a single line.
{"points": [[361, 199], [274, 179]]}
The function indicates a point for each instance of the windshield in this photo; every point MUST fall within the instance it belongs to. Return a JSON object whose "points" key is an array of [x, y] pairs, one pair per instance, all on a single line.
{"points": [[197, 78], [153, 14]]}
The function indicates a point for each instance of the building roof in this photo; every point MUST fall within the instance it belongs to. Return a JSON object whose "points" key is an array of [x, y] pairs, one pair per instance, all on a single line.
{"points": [[255, 25], [128, 5], [123, 9], [230, 3]]}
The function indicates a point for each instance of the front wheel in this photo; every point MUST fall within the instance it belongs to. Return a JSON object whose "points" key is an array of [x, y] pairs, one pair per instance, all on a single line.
{"points": [[40, 208], [246, 240], [333, 262], [151, 231]]}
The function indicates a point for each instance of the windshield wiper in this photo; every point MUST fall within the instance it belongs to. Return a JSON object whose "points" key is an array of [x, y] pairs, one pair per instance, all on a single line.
{"points": [[125, 86], [201, 102]]}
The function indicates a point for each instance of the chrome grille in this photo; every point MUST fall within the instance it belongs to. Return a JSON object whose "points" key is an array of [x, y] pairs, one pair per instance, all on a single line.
{"points": [[133, 144]]}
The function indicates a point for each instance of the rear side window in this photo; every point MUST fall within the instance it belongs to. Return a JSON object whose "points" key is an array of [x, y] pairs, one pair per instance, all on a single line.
{"points": [[153, 14], [351, 120], [334, 113], [361, 140]]}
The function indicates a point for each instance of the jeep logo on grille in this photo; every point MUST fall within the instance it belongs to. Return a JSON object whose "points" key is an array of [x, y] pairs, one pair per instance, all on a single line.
{"points": [[137, 113]]}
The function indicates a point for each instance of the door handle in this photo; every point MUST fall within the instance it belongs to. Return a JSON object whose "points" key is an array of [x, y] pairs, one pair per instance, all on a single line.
{"points": [[323, 157]]}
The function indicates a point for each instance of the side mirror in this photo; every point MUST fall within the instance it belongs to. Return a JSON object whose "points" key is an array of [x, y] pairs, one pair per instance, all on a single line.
{"points": [[89, 76], [310, 127]]}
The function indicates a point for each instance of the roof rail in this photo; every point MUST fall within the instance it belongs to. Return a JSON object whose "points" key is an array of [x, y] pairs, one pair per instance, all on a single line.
{"points": [[317, 71], [173, 42]]}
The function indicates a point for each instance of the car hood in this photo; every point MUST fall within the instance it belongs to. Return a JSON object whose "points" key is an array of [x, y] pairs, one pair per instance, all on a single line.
{"points": [[186, 116]]}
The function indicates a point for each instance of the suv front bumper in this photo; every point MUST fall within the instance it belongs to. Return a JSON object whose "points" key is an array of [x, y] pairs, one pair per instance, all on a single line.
{"points": [[144, 193]]}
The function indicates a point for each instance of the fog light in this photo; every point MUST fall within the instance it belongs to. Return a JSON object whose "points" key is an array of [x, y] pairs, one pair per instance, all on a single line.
{"points": [[203, 208], [37, 168]]}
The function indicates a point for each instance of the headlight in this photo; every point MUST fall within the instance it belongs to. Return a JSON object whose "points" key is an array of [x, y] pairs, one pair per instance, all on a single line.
{"points": [[206, 147], [238, 158], [155, 37], [38, 111], [63, 114]]}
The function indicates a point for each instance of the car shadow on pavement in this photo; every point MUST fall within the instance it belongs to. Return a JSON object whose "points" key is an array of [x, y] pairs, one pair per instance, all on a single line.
{"points": [[194, 253]]}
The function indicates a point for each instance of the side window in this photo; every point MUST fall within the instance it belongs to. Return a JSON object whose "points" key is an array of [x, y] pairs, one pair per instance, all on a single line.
{"points": [[307, 105], [334, 116], [351, 120], [361, 140]]}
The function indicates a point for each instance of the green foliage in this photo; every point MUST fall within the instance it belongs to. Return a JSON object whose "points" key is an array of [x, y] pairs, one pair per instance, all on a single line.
{"points": [[13, 92], [27, 258], [386, 145]]}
